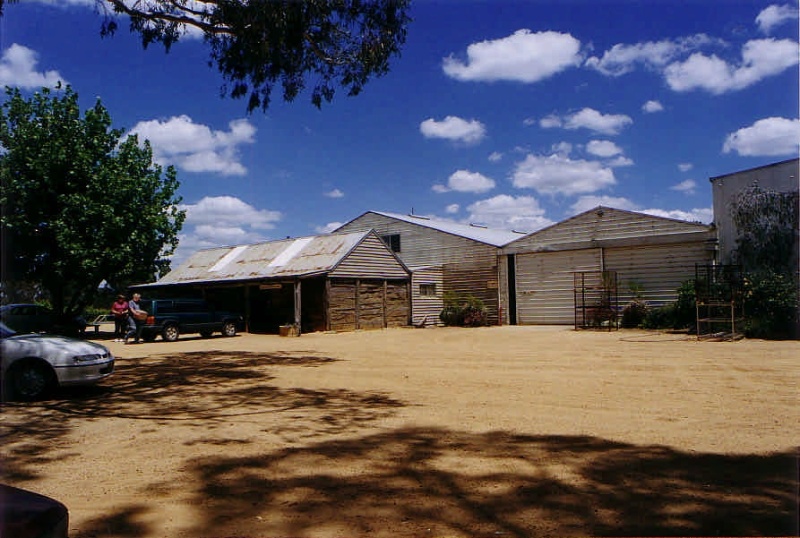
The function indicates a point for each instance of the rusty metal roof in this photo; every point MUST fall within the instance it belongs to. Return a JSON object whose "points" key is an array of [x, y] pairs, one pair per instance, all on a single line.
{"points": [[285, 258]]}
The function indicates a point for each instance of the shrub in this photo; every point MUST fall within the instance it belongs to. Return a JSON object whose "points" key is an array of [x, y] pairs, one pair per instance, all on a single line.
{"points": [[634, 313], [770, 305], [463, 312]]}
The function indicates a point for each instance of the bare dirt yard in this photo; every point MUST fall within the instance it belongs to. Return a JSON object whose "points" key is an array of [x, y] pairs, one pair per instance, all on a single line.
{"points": [[491, 432]]}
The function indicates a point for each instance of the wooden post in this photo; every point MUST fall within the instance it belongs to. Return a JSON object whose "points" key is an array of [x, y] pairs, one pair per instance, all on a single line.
{"points": [[298, 301], [358, 304]]}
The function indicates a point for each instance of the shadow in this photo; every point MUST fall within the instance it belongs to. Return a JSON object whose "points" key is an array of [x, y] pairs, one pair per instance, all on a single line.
{"points": [[201, 389], [437, 482]]}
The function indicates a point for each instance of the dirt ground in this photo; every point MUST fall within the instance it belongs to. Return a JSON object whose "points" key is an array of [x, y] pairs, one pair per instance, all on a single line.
{"points": [[501, 431]]}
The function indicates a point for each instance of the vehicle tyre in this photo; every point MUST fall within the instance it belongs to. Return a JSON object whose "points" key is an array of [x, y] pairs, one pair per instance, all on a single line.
{"points": [[170, 333], [229, 328], [205, 334], [30, 380]]}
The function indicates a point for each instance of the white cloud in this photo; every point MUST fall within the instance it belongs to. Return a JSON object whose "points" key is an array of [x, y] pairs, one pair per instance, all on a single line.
{"points": [[761, 58], [194, 147], [701, 214], [521, 213], [219, 221], [452, 209], [550, 122], [685, 167], [18, 68], [603, 148], [620, 161], [687, 185], [621, 59], [335, 193], [766, 137], [589, 118], [558, 174], [454, 128], [652, 106], [523, 57], [229, 211], [495, 156], [466, 181], [328, 228], [775, 15], [562, 148], [585, 203]]}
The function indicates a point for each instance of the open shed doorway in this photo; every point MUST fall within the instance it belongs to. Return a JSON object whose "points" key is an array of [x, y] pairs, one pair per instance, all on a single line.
{"points": [[271, 304]]}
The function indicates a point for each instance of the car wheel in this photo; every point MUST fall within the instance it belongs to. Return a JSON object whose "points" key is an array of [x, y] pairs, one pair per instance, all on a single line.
{"points": [[229, 328], [205, 334], [170, 333], [30, 380]]}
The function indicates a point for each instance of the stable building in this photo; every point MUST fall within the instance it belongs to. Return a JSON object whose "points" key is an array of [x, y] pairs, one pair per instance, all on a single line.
{"points": [[444, 257], [651, 257], [336, 282]]}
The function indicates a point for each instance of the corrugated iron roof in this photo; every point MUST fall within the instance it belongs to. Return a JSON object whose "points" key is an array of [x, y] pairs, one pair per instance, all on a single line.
{"points": [[297, 257], [483, 234]]}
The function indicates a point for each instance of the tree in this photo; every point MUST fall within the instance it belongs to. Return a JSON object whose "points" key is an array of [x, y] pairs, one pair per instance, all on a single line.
{"points": [[258, 44], [79, 205], [767, 224], [766, 248]]}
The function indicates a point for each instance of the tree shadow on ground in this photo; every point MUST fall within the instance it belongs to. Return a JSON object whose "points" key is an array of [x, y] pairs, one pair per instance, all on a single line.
{"points": [[440, 482], [198, 389]]}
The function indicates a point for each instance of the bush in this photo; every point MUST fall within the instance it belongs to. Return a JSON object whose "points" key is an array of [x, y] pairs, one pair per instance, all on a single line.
{"points": [[634, 313], [466, 312], [770, 305]]}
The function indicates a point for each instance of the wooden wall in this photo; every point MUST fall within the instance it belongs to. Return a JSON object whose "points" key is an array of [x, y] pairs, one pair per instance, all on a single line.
{"points": [[367, 304]]}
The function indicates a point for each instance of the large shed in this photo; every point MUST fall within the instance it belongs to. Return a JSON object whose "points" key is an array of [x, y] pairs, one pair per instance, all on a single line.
{"points": [[443, 256], [338, 282], [651, 256]]}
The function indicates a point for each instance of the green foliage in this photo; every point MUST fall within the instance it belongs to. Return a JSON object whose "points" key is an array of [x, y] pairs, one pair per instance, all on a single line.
{"points": [[463, 312], [767, 223], [78, 205], [634, 313], [770, 304], [679, 315], [260, 44]]}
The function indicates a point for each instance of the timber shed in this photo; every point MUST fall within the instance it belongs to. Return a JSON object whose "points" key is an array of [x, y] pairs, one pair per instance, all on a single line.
{"points": [[651, 256], [335, 282], [443, 256]]}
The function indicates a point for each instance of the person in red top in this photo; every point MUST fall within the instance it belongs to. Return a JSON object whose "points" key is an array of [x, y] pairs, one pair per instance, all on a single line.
{"points": [[120, 311]]}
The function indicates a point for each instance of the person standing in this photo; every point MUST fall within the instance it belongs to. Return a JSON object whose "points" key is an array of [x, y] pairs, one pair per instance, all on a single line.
{"points": [[120, 312], [136, 319]]}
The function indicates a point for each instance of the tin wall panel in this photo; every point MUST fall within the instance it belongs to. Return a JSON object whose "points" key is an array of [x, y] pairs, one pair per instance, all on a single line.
{"points": [[656, 272], [545, 285]]}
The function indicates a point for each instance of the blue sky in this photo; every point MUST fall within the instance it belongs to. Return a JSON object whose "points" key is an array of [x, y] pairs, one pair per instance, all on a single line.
{"points": [[513, 114]]}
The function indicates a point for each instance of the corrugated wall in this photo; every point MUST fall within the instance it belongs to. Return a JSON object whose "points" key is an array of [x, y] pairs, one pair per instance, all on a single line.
{"points": [[656, 271], [545, 285], [427, 307], [370, 259], [604, 225], [469, 267]]}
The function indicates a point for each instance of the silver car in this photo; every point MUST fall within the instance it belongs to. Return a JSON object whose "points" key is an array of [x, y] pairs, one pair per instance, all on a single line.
{"points": [[33, 364]]}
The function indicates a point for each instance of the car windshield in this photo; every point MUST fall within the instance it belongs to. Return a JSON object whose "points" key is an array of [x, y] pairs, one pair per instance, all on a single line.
{"points": [[5, 332]]}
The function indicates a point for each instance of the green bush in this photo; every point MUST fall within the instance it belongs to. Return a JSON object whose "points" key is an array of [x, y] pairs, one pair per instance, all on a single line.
{"points": [[634, 313], [770, 305], [463, 312]]}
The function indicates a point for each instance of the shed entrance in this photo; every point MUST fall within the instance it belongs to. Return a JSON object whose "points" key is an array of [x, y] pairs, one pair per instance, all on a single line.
{"points": [[545, 284]]}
